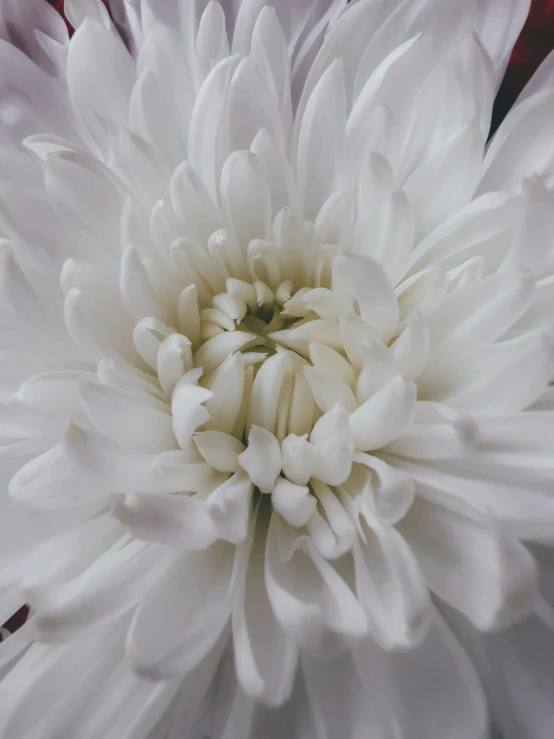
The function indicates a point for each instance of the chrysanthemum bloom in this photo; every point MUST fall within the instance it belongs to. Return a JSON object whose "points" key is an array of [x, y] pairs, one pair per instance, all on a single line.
{"points": [[277, 339]]}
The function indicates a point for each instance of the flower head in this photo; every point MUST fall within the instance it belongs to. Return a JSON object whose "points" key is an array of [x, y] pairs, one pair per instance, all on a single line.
{"points": [[277, 342]]}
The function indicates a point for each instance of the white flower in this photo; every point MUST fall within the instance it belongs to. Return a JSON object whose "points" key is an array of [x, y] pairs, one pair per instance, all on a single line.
{"points": [[277, 338]]}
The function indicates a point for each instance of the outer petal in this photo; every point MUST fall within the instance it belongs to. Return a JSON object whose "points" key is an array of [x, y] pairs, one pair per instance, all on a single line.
{"points": [[37, 29], [183, 615], [451, 687], [469, 561], [500, 23], [391, 587], [177, 521], [345, 697], [522, 145]]}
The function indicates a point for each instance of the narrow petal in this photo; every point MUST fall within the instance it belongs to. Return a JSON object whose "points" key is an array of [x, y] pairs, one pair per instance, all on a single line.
{"points": [[265, 655], [320, 131]]}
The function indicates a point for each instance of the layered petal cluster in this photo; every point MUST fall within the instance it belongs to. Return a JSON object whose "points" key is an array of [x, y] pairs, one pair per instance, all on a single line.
{"points": [[277, 338]]}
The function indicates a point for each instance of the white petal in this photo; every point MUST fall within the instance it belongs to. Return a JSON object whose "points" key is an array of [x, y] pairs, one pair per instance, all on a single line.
{"points": [[245, 198], [174, 360], [352, 691], [188, 315], [265, 655], [50, 111], [97, 459], [214, 351], [521, 145], [86, 324], [72, 178], [499, 27], [125, 419], [114, 583], [129, 380], [293, 502], [329, 360], [269, 51], [24, 25], [354, 333], [102, 92], [319, 331], [322, 128], [205, 150], [76, 11], [469, 561], [183, 615], [212, 44], [376, 298], [391, 587], [268, 392], [481, 229], [246, 16], [227, 386], [481, 317], [297, 459], [188, 411], [393, 490], [178, 521], [432, 202], [276, 170], [328, 390], [338, 520], [137, 291], [384, 416], [385, 230], [332, 447], [437, 432], [47, 482], [262, 459], [219, 449], [514, 668], [162, 53], [411, 349], [192, 204], [302, 406], [230, 507], [310, 599], [252, 106], [451, 684], [509, 378]]}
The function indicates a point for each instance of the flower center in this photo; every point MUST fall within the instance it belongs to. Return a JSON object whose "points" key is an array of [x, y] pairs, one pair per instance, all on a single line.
{"points": [[256, 326], [252, 308], [271, 365]]}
